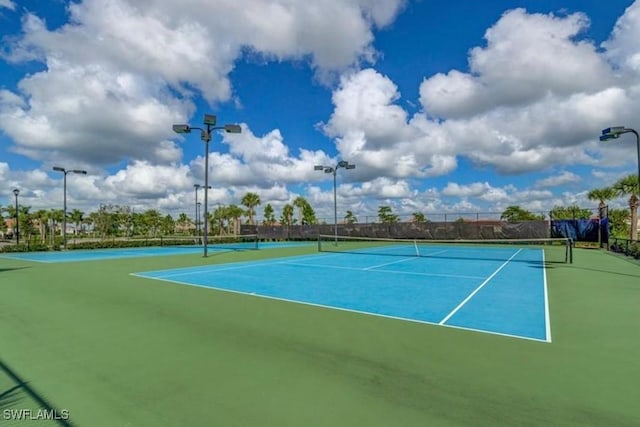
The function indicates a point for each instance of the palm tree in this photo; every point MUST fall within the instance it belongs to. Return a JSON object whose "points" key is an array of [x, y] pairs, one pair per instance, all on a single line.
{"points": [[219, 215], [602, 195], [76, 216], [419, 217], [250, 200], [269, 217], [183, 221], [235, 212], [26, 222], [55, 216], [350, 218], [43, 218], [287, 215], [300, 203], [308, 215], [628, 186], [386, 215]]}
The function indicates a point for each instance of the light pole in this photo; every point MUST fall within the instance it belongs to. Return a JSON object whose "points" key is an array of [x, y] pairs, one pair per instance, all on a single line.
{"points": [[17, 225], [197, 187], [614, 133], [198, 204], [205, 135], [197, 218], [64, 214], [334, 170]]}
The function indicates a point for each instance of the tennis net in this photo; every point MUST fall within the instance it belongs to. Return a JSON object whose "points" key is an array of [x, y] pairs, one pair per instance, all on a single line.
{"points": [[556, 250], [238, 242]]}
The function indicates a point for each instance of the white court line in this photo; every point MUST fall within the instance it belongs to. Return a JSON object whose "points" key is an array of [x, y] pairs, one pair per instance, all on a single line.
{"points": [[547, 319], [428, 254], [405, 259], [388, 263], [415, 273], [466, 300]]}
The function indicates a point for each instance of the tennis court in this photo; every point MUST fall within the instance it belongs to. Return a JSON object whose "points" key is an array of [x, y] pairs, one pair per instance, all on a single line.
{"points": [[108, 347], [500, 290]]}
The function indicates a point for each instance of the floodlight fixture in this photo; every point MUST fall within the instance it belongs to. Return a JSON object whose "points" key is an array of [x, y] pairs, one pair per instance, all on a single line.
{"points": [[350, 167], [232, 128], [342, 164], [614, 130], [210, 119], [16, 192], [58, 169], [181, 129], [318, 168]]}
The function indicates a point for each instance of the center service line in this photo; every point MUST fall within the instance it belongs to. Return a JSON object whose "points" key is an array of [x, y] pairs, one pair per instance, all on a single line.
{"points": [[466, 300]]}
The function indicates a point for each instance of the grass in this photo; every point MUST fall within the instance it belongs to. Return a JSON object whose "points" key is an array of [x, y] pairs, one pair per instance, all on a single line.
{"points": [[115, 349]]}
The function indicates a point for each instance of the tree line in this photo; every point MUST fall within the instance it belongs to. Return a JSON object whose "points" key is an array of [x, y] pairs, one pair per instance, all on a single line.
{"points": [[624, 222], [122, 221]]}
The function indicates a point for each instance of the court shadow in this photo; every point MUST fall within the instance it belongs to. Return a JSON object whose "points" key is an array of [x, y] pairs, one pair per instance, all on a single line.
{"points": [[10, 397], [20, 392], [547, 264], [2, 270], [617, 273]]}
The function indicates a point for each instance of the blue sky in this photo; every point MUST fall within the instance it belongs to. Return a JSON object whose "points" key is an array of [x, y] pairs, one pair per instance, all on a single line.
{"points": [[451, 106]]}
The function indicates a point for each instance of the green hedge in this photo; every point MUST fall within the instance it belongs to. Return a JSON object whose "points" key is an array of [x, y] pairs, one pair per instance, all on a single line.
{"points": [[103, 244], [634, 250], [25, 247]]}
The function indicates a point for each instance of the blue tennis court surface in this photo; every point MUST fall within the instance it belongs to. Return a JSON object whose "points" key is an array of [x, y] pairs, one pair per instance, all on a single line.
{"points": [[103, 254], [494, 290]]}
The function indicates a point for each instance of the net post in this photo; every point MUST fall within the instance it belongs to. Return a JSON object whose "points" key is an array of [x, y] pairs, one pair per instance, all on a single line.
{"points": [[570, 251]]}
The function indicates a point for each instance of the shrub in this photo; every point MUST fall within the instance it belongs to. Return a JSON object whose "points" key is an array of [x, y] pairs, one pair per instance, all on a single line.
{"points": [[634, 250]]}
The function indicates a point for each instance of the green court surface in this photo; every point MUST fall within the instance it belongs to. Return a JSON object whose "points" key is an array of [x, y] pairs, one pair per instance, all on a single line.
{"points": [[113, 349]]}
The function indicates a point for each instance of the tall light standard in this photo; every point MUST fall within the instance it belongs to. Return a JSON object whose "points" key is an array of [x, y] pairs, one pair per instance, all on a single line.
{"points": [[64, 214], [198, 218], [205, 135], [197, 187], [614, 133], [17, 225], [334, 170]]}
